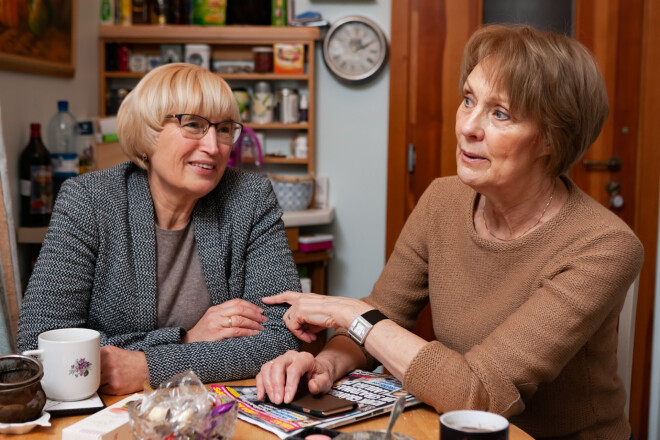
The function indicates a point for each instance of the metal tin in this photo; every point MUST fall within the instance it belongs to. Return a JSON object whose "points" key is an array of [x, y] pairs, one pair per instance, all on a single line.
{"points": [[262, 103], [286, 106]]}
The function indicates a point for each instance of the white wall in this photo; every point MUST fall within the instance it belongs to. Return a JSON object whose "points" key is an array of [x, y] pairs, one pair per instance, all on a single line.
{"points": [[351, 137], [351, 141]]}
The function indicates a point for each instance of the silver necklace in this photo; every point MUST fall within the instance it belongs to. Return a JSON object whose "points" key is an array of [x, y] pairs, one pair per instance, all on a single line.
{"points": [[483, 214]]}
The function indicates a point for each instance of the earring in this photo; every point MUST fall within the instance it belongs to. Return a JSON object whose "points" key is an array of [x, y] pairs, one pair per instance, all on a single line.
{"points": [[145, 158]]}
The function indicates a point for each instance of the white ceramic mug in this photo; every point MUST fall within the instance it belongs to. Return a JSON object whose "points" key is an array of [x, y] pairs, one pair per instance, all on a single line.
{"points": [[72, 363], [473, 425]]}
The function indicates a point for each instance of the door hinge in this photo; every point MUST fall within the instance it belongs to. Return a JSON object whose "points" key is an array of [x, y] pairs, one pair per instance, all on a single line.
{"points": [[412, 158]]}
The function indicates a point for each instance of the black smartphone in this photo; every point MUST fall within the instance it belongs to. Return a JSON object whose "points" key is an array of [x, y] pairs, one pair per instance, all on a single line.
{"points": [[320, 405]]}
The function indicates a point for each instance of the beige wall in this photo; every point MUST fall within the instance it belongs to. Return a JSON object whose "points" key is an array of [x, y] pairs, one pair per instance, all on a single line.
{"points": [[27, 98]]}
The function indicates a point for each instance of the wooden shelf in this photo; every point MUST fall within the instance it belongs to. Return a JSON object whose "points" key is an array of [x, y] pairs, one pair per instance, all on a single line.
{"points": [[308, 217], [311, 257], [226, 76], [286, 160], [265, 76], [278, 126], [182, 34], [228, 44]]}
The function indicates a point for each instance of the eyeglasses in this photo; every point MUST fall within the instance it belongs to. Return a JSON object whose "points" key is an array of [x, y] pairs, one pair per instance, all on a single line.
{"points": [[195, 127]]}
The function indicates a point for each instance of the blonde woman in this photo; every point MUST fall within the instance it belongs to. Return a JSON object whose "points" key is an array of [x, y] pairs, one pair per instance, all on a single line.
{"points": [[169, 255]]}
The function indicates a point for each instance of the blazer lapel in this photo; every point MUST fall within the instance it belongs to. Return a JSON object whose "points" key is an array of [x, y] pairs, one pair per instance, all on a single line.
{"points": [[143, 243], [212, 234]]}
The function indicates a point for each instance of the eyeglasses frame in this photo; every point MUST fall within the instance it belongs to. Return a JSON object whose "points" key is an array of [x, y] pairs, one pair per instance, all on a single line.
{"points": [[214, 124]]}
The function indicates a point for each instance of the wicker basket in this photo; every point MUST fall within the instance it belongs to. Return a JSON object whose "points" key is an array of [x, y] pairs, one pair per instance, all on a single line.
{"points": [[293, 192]]}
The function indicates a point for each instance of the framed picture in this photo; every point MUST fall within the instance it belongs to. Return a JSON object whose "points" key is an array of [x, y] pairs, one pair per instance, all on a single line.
{"points": [[37, 36]]}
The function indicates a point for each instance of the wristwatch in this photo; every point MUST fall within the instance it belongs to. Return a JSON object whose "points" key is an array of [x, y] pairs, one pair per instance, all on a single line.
{"points": [[362, 325]]}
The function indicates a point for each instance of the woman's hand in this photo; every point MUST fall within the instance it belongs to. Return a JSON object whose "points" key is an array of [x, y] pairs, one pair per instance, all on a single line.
{"points": [[280, 377], [122, 371], [232, 319], [310, 313]]}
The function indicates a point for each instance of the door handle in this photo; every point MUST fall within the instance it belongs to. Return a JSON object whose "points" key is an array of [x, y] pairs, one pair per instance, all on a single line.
{"points": [[612, 164]]}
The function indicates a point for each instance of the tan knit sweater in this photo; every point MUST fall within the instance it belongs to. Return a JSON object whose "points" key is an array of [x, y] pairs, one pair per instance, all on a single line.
{"points": [[525, 328]]}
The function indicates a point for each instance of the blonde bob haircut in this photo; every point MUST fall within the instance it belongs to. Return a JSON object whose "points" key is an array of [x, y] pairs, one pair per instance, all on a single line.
{"points": [[550, 79], [170, 89]]}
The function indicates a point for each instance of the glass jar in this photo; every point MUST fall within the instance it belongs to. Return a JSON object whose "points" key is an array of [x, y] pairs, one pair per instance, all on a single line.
{"points": [[263, 59]]}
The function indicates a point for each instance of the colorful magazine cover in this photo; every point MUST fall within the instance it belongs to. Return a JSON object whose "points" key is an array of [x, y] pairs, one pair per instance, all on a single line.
{"points": [[374, 393]]}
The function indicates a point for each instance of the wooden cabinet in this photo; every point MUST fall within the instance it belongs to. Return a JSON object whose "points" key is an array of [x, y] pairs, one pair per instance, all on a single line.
{"points": [[228, 44]]}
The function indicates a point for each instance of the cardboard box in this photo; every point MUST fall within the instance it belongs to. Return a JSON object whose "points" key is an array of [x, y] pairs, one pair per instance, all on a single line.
{"points": [[289, 58], [111, 423], [313, 243]]}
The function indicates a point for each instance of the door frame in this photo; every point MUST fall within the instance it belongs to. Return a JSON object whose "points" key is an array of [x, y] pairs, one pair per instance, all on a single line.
{"points": [[647, 184]]}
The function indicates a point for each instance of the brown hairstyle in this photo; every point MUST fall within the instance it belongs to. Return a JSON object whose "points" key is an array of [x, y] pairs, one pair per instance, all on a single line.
{"points": [[549, 78], [170, 89]]}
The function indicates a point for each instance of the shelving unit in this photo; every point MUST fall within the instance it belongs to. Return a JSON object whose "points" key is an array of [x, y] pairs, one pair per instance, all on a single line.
{"points": [[228, 43]]}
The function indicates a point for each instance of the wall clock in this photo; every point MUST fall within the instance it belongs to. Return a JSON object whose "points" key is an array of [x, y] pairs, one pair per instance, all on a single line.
{"points": [[355, 49]]}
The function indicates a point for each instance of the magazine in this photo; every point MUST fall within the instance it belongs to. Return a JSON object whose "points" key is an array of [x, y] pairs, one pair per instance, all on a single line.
{"points": [[375, 394]]}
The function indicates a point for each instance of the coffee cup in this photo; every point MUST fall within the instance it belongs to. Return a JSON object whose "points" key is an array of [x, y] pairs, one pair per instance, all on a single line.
{"points": [[71, 359], [473, 425]]}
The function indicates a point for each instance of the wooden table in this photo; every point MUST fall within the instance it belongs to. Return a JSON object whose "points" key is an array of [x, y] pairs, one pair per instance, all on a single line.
{"points": [[419, 422]]}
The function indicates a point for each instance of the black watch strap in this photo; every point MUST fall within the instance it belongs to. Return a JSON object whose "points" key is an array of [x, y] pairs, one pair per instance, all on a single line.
{"points": [[362, 325]]}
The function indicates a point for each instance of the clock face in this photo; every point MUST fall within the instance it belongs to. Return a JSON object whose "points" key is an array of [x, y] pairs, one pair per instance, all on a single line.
{"points": [[355, 49]]}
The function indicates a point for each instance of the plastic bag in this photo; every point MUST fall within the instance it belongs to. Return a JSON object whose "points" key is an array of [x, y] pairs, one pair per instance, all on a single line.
{"points": [[182, 408]]}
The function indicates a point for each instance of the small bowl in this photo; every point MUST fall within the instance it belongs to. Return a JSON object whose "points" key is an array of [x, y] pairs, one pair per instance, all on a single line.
{"points": [[21, 395], [293, 193]]}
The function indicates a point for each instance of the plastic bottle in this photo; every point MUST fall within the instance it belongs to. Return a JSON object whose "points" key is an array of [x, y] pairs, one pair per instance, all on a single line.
{"points": [[303, 110], [300, 147], [62, 143], [36, 181]]}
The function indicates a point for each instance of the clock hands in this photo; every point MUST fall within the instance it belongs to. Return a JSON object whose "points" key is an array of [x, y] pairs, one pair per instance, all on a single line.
{"points": [[356, 44]]}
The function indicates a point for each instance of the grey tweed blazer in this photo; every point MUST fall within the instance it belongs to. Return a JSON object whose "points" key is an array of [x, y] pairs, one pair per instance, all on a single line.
{"points": [[97, 269]]}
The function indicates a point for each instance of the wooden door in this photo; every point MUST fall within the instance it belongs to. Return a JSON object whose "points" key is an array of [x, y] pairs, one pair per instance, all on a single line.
{"points": [[427, 42], [426, 49]]}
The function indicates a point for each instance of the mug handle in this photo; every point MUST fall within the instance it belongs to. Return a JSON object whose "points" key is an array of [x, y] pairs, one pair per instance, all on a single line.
{"points": [[34, 353]]}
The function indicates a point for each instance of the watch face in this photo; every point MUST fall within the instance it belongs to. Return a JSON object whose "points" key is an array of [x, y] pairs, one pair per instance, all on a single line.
{"points": [[354, 49]]}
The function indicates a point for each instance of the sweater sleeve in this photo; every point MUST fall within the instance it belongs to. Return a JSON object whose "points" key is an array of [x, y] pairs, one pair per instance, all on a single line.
{"points": [[401, 291], [268, 269], [581, 289]]}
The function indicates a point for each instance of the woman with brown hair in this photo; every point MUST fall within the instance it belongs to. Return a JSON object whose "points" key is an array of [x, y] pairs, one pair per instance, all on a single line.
{"points": [[525, 274]]}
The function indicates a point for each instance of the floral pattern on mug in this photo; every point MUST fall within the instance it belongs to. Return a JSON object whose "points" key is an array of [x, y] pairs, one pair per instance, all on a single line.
{"points": [[80, 368]]}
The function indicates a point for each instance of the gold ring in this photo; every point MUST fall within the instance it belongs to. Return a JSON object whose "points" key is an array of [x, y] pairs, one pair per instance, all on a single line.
{"points": [[230, 325]]}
